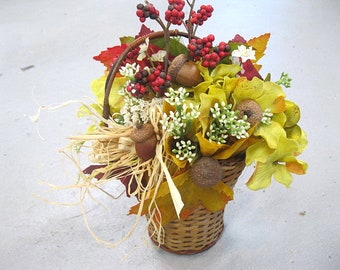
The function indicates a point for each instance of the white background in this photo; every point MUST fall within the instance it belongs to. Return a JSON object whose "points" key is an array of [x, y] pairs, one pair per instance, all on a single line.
{"points": [[279, 228]]}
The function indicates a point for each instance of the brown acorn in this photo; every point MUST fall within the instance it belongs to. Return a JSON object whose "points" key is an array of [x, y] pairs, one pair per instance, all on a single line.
{"points": [[145, 141], [184, 72], [206, 172], [251, 109]]}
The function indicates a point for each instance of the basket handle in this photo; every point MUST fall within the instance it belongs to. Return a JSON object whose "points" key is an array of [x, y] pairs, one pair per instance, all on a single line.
{"points": [[114, 68]]}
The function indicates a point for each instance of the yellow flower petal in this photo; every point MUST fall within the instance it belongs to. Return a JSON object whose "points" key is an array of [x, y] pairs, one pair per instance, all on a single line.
{"points": [[297, 134], [116, 100], [208, 148], [207, 102], [258, 152], [282, 175], [271, 133], [261, 178], [272, 98], [223, 70]]}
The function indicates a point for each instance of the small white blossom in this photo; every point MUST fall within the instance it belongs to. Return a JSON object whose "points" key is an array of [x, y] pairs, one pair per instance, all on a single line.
{"points": [[159, 56], [176, 123], [285, 80], [185, 150], [134, 111], [176, 97], [129, 70], [226, 122], [244, 53], [143, 50], [267, 117]]}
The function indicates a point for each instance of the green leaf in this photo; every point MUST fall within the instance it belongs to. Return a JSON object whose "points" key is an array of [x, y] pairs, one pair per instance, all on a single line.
{"points": [[126, 39], [176, 47]]}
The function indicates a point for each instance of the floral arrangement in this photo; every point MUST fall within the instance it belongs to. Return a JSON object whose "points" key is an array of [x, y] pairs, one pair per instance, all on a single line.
{"points": [[172, 107]]}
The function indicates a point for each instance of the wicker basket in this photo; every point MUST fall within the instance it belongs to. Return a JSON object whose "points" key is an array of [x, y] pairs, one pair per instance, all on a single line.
{"points": [[202, 228]]}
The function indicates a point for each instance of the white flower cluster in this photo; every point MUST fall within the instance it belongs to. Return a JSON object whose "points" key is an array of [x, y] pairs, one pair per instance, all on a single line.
{"points": [[185, 150], [284, 80], [176, 97], [226, 123], [267, 117], [129, 70], [159, 56], [134, 111], [176, 123]]}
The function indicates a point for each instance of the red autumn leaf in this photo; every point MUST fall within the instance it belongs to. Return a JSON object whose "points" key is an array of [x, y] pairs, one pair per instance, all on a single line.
{"points": [[249, 71], [238, 39], [108, 56], [143, 31]]}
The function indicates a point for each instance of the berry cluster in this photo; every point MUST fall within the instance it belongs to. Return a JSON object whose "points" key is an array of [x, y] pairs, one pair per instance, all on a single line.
{"points": [[174, 13], [201, 15], [147, 11], [199, 47], [136, 89], [132, 55], [223, 49], [202, 49], [211, 59], [155, 79], [142, 76], [159, 80]]}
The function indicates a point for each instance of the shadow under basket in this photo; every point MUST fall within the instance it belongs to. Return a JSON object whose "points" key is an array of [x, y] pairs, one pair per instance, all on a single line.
{"points": [[202, 228]]}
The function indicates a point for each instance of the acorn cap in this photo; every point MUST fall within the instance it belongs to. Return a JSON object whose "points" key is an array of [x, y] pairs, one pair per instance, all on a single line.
{"points": [[142, 133], [176, 65], [251, 109], [206, 172]]}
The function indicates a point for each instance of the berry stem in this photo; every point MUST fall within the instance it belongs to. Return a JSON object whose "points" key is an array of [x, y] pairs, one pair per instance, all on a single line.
{"points": [[189, 26], [167, 47], [165, 29]]}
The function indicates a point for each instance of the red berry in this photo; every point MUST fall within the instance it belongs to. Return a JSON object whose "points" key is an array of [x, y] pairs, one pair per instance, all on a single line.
{"points": [[205, 63], [139, 13], [211, 37]]}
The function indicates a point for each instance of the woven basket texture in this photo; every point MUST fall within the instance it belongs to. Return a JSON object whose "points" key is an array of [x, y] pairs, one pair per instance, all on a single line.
{"points": [[202, 228]]}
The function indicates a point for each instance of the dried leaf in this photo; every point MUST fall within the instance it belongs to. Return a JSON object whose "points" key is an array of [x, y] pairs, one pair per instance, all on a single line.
{"points": [[259, 44]]}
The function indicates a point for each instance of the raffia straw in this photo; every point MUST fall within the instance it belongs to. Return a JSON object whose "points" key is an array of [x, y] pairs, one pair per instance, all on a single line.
{"points": [[111, 147]]}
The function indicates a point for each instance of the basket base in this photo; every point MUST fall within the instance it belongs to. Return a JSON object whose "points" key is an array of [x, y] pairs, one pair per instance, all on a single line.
{"points": [[187, 252]]}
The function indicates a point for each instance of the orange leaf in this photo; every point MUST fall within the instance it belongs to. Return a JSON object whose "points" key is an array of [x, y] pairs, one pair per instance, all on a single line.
{"points": [[279, 105], [296, 167], [134, 209], [259, 44]]}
